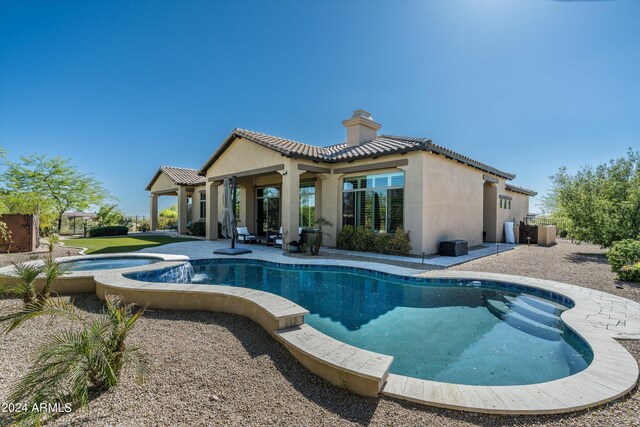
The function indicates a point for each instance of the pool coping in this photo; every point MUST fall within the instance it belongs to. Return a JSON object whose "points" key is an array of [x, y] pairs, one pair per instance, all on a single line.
{"points": [[612, 373]]}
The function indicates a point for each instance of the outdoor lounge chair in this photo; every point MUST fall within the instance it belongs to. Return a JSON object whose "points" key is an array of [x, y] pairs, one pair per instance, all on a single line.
{"points": [[244, 236]]}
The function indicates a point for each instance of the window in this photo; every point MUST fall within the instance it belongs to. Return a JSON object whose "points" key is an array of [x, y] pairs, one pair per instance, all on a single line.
{"points": [[203, 204], [307, 204], [505, 203], [374, 201]]}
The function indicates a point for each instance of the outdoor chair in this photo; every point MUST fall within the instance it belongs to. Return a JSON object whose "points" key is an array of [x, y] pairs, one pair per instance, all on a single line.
{"points": [[276, 238], [244, 236]]}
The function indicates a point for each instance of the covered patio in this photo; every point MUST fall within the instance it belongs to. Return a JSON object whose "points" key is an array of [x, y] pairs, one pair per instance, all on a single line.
{"points": [[182, 183], [269, 198]]}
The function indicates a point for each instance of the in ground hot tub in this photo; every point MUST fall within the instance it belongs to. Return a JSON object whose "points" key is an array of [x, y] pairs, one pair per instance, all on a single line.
{"points": [[109, 263]]}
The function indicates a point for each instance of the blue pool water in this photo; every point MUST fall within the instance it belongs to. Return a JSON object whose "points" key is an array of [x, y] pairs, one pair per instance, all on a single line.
{"points": [[108, 263], [455, 331]]}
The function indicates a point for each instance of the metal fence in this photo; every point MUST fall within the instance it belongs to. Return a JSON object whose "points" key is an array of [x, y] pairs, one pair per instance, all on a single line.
{"points": [[78, 226], [562, 227]]}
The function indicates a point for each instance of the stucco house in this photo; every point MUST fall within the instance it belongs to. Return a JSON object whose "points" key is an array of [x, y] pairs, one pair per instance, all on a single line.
{"points": [[378, 181]]}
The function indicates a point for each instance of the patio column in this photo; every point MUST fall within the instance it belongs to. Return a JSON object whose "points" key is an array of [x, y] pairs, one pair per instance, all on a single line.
{"points": [[212, 211], [330, 205], [154, 212], [290, 199], [182, 210]]}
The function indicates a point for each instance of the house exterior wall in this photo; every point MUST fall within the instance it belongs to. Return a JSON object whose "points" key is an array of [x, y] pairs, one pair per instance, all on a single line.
{"points": [[443, 198], [163, 183], [453, 206], [243, 155]]}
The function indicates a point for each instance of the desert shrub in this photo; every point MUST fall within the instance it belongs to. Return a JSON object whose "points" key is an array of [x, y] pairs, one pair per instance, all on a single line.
{"points": [[144, 225], [345, 237], [198, 229], [630, 272], [398, 244], [601, 203], [366, 240], [624, 256], [118, 230]]}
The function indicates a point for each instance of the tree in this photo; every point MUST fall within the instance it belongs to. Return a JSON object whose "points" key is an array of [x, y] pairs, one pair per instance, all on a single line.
{"points": [[55, 180], [168, 217], [602, 204], [109, 215]]}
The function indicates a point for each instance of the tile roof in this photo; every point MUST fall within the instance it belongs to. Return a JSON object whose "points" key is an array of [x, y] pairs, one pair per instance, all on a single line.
{"points": [[181, 176], [381, 146], [521, 190]]}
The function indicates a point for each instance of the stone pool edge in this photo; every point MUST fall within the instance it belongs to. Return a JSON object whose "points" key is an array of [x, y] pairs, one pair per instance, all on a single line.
{"points": [[612, 374]]}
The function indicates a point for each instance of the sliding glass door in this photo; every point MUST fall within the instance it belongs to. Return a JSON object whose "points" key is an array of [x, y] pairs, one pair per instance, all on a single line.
{"points": [[268, 210]]}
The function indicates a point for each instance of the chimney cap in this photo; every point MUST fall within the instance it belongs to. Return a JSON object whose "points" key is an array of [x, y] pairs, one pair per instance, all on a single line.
{"points": [[362, 117]]}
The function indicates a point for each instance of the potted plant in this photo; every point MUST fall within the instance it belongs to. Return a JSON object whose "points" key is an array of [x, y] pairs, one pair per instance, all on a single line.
{"points": [[294, 247]]}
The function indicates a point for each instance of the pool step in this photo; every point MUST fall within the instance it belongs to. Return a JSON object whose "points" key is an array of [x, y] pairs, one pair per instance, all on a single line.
{"points": [[532, 312], [516, 320], [541, 304]]}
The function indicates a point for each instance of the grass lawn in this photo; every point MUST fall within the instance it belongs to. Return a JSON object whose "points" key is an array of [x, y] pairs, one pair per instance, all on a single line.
{"points": [[109, 245]]}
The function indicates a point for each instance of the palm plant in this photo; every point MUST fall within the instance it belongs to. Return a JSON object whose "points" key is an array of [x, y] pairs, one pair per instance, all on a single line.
{"points": [[26, 274], [52, 270], [76, 362]]}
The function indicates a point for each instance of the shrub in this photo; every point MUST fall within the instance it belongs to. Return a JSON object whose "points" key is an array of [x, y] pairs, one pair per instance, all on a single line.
{"points": [[624, 256], [630, 273], [399, 243], [118, 230], [198, 229], [145, 225], [366, 240]]}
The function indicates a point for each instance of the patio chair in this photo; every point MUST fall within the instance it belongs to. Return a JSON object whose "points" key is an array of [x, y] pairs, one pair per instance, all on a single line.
{"points": [[276, 238], [244, 236]]}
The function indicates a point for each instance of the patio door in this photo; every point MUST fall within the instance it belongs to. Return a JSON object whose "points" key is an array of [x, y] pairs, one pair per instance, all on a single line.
{"points": [[268, 210]]}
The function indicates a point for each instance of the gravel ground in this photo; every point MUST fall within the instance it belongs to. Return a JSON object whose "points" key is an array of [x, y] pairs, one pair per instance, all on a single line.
{"points": [[220, 369]]}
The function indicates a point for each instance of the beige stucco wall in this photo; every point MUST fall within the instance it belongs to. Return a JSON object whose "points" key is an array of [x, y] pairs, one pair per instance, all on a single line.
{"points": [[163, 183], [243, 155], [453, 202]]}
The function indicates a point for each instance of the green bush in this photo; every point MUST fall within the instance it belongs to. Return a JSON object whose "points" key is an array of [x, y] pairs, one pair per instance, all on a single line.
{"points": [[630, 273], [144, 225], [117, 230], [198, 229], [624, 256], [366, 240]]}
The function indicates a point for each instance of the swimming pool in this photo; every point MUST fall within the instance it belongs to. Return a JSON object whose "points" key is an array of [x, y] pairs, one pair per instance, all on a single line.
{"points": [[107, 263], [456, 331]]}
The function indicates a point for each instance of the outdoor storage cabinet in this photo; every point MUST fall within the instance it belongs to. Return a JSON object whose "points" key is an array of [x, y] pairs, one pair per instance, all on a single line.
{"points": [[454, 248]]}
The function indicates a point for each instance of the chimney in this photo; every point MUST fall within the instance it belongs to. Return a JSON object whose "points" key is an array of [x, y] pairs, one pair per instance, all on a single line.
{"points": [[360, 128]]}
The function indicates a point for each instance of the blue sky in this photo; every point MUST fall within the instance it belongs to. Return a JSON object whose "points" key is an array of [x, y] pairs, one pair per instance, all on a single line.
{"points": [[124, 87]]}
